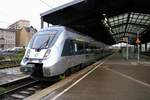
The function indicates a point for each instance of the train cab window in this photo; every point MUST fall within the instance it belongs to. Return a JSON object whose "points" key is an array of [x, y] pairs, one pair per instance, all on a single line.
{"points": [[43, 40]]}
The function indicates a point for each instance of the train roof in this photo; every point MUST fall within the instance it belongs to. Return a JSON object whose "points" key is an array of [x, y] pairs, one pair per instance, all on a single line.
{"points": [[63, 28], [58, 27]]}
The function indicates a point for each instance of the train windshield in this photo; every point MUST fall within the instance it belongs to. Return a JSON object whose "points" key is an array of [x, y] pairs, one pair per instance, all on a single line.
{"points": [[43, 40]]}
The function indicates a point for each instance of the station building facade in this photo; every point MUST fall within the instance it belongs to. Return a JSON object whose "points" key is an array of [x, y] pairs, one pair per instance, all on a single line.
{"points": [[24, 32], [24, 35], [7, 38], [17, 34], [19, 24]]}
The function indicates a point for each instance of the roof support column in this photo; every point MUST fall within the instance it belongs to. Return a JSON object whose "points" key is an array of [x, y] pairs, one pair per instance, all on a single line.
{"points": [[127, 21], [140, 47], [145, 47], [47, 24], [42, 22]]}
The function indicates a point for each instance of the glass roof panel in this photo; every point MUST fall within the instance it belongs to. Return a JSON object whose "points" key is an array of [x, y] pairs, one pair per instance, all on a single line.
{"points": [[119, 20], [146, 17], [135, 16], [131, 15], [134, 30], [143, 21], [135, 23], [141, 17], [125, 21], [111, 24], [131, 20], [120, 17], [147, 22], [125, 15], [110, 19], [115, 18], [138, 21], [116, 22]]}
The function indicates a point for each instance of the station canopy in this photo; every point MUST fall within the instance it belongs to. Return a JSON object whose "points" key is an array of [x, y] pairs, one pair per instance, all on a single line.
{"points": [[125, 27], [109, 21]]}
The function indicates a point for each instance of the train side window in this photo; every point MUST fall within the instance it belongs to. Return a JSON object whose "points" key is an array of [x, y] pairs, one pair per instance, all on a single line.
{"points": [[80, 47], [73, 47], [68, 48], [88, 48]]}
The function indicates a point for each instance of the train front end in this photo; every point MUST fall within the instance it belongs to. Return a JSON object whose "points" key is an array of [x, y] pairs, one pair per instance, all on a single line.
{"points": [[40, 54]]}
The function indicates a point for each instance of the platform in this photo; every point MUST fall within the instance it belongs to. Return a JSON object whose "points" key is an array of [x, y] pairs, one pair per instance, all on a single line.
{"points": [[115, 78]]}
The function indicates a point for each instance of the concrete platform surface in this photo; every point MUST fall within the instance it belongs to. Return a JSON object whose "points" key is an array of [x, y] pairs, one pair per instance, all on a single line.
{"points": [[116, 79]]}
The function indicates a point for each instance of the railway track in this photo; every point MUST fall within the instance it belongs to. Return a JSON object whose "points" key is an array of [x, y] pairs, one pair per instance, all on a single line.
{"points": [[22, 89]]}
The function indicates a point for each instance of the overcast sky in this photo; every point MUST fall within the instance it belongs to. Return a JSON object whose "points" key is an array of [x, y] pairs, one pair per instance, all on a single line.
{"points": [[13, 10]]}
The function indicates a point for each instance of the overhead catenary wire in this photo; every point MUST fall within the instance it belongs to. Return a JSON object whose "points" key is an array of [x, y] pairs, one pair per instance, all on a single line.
{"points": [[5, 22], [46, 4], [59, 2]]}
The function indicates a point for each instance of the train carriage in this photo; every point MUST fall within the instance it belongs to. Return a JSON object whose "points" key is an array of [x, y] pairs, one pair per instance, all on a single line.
{"points": [[55, 50]]}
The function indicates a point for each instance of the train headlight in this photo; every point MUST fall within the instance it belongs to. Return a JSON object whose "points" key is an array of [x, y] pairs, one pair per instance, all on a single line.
{"points": [[47, 53], [28, 53]]}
